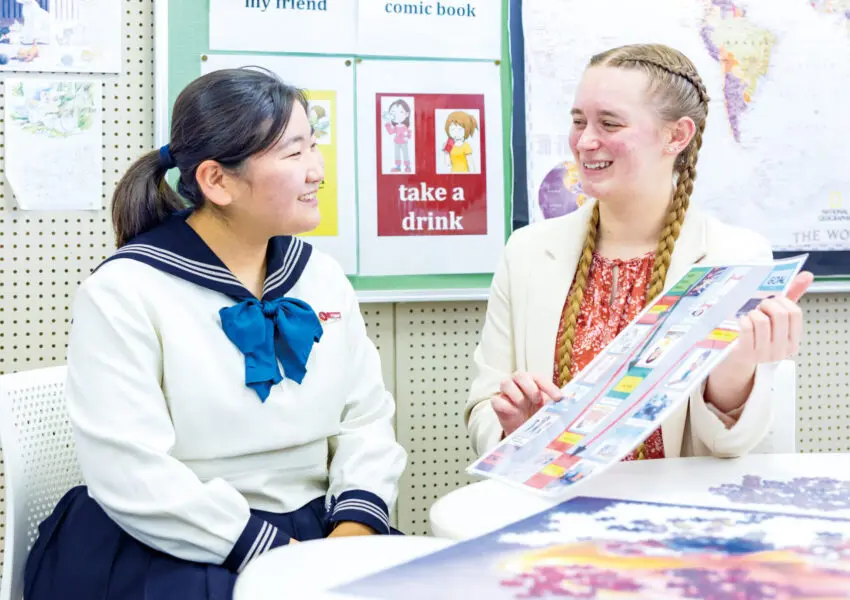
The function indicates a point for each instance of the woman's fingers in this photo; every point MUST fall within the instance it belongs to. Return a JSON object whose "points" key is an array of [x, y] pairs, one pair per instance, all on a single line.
{"points": [[511, 392], [530, 390], [548, 387]]}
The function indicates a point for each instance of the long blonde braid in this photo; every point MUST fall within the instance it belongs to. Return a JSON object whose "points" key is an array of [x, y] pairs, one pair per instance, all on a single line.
{"points": [[679, 91], [565, 344]]}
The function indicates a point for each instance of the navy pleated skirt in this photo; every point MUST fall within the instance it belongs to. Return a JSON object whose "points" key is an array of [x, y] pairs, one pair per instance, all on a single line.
{"points": [[81, 554]]}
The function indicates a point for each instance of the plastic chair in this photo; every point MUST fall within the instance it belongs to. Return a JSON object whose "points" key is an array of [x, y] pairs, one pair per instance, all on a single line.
{"points": [[40, 458]]}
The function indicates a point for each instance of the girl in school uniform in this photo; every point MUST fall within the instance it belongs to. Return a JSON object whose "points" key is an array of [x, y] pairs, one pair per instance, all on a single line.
{"points": [[566, 287], [224, 395]]}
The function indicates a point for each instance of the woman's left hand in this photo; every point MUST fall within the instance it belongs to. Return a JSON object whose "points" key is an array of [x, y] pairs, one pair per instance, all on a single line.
{"points": [[771, 332]]}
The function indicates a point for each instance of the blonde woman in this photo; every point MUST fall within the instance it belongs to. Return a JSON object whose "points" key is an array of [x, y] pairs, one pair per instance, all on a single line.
{"points": [[567, 286]]}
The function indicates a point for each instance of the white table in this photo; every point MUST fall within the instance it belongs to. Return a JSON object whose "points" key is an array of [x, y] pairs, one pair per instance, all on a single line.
{"points": [[482, 507], [304, 571]]}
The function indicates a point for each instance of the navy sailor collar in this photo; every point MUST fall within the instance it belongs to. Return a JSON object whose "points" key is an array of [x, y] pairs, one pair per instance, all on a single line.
{"points": [[271, 331], [175, 248]]}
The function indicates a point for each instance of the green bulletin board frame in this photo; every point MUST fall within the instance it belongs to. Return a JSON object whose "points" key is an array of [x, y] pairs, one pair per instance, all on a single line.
{"points": [[182, 38]]}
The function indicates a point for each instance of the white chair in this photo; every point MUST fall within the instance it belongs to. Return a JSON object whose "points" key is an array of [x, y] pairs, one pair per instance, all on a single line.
{"points": [[40, 458], [781, 438]]}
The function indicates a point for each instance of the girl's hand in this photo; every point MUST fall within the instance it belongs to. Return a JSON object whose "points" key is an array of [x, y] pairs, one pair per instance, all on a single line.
{"points": [[350, 529]]}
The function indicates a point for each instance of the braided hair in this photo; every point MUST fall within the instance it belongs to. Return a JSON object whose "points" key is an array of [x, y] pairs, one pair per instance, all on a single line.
{"points": [[679, 92]]}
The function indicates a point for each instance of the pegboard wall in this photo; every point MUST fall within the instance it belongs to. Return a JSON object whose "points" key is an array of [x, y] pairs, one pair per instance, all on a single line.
{"points": [[43, 255], [425, 347], [823, 375]]}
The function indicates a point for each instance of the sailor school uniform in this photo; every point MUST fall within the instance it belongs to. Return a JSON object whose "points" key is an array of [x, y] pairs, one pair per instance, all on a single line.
{"points": [[211, 425]]}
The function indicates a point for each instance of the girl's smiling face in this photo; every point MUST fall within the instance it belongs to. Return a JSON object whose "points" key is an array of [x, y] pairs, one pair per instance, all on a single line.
{"points": [[457, 132], [397, 113]]}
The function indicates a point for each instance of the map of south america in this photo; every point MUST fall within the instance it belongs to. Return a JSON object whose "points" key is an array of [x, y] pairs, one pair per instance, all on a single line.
{"points": [[743, 50]]}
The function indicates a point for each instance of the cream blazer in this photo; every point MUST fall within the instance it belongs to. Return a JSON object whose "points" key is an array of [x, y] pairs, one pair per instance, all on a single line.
{"points": [[527, 295]]}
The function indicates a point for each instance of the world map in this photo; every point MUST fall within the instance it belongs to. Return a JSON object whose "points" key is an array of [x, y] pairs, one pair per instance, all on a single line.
{"points": [[743, 50], [772, 158]]}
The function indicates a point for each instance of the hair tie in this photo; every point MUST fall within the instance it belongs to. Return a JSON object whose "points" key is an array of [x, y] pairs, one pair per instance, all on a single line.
{"points": [[166, 160]]}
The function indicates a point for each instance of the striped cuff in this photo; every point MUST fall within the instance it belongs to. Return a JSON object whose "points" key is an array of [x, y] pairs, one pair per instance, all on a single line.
{"points": [[362, 507], [258, 536]]}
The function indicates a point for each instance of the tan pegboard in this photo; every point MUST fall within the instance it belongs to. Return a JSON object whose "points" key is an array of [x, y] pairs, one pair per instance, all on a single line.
{"points": [[823, 375], [433, 354], [380, 326], [44, 255]]}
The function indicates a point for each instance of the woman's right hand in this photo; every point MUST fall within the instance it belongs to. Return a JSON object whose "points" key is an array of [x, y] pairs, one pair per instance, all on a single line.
{"points": [[520, 397]]}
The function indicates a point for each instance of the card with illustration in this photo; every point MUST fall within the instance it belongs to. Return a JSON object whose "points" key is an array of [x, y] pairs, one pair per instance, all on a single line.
{"points": [[398, 150], [690, 368], [431, 171], [645, 374], [629, 339], [662, 346], [458, 142]]}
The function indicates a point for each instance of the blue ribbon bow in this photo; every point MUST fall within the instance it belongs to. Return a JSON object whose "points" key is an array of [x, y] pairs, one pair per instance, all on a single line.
{"points": [[269, 331]]}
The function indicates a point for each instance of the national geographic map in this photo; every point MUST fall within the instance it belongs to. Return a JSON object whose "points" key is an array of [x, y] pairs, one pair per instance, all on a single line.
{"points": [[775, 70], [742, 50]]}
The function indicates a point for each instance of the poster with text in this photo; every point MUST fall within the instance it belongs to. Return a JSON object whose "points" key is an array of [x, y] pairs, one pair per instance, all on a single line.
{"points": [[61, 36], [327, 26], [431, 28], [432, 167], [329, 87], [430, 156]]}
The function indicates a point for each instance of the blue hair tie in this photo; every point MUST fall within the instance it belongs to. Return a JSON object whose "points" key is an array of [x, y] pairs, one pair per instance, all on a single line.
{"points": [[166, 160]]}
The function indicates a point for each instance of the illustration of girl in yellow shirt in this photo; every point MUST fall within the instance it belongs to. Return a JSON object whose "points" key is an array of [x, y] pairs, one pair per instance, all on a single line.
{"points": [[459, 127]]}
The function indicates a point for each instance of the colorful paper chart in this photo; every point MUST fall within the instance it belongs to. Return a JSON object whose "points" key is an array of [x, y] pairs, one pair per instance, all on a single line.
{"points": [[643, 375]]}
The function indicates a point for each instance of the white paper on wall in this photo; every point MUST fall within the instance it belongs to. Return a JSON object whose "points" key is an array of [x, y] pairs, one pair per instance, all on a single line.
{"points": [[430, 28], [68, 36], [53, 143], [326, 26]]}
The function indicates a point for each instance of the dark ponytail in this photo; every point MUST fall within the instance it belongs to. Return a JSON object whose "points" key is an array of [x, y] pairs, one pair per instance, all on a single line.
{"points": [[225, 116], [142, 199]]}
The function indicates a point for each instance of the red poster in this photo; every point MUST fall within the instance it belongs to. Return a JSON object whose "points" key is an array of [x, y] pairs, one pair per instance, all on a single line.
{"points": [[431, 165]]}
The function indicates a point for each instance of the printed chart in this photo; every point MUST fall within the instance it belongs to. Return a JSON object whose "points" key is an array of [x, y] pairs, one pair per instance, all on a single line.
{"points": [[646, 372]]}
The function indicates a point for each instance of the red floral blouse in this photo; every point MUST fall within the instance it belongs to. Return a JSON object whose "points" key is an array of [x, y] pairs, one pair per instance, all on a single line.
{"points": [[614, 295]]}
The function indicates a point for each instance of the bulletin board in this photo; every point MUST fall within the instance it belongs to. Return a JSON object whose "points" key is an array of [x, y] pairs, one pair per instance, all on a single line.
{"points": [[183, 46]]}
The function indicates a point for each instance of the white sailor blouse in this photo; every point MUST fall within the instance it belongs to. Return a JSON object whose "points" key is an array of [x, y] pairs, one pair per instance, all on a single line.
{"points": [[193, 401]]}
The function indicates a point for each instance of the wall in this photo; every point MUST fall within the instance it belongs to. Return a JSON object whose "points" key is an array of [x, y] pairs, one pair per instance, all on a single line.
{"points": [[425, 347]]}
